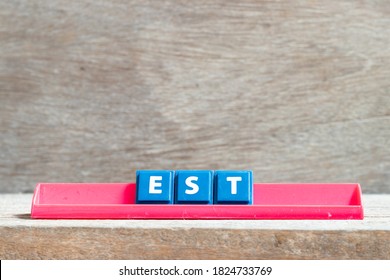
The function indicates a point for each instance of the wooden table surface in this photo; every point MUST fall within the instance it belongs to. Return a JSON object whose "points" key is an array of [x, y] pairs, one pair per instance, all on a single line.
{"points": [[24, 238]]}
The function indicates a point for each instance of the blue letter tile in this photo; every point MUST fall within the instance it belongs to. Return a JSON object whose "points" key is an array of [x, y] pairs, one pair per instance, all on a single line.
{"points": [[233, 187], [155, 186], [194, 187]]}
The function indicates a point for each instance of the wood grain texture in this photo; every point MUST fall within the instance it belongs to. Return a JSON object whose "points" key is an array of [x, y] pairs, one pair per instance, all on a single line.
{"points": [[24, 238], [297, 91]]}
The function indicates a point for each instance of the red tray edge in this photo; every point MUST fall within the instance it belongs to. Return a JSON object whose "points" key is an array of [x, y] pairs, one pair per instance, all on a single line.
{"points": [[209, 212]]}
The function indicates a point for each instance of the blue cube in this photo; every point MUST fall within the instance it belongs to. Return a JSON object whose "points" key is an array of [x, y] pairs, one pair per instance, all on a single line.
{"points": [[194, 187], [233, 187], [155, 186]]}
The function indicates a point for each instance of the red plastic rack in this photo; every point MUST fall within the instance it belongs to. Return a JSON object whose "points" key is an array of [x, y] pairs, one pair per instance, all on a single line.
{"points": [[270, 201]]}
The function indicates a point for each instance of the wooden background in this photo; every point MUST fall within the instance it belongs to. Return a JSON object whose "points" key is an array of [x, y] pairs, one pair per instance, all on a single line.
{"points": [[92, 90]]}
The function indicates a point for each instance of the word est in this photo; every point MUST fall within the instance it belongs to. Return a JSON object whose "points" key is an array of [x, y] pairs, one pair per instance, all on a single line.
{"points": [[194, 187]]}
